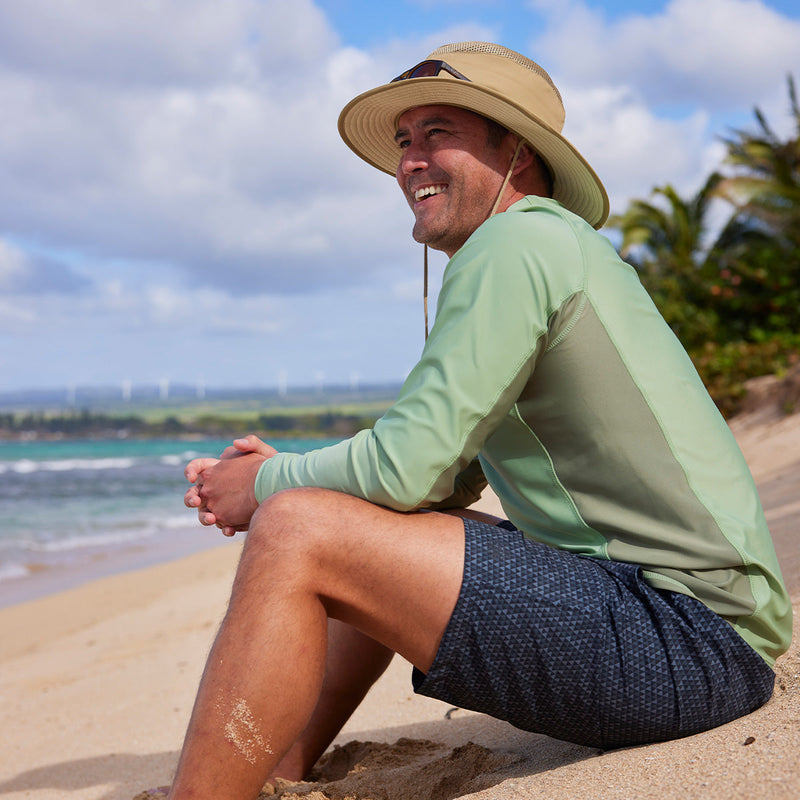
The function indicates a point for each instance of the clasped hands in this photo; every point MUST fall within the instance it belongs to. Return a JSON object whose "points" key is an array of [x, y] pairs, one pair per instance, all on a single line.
{"points": [[223, 489]]}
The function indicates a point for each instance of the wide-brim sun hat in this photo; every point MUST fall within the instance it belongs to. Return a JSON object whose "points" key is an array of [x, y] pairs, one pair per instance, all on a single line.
{"points": [[494, 82]]}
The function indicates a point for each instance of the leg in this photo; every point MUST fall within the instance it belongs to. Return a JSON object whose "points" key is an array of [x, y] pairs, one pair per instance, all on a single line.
{"points": [[310, 555], [354, 663]]}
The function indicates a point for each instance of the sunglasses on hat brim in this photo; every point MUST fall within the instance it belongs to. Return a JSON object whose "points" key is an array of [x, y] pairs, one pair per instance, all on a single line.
{"points": [[429, 69]]}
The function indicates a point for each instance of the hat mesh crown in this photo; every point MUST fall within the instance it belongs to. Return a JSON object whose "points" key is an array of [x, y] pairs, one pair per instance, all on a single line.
{"points": [[497, 50]]}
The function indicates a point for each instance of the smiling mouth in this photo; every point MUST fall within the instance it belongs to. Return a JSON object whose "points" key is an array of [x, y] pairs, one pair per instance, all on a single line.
{"points": [[428, 191]]}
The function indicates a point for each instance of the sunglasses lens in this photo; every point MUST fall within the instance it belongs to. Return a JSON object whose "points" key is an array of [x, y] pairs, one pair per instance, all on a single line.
{"points": [[427, 69]]}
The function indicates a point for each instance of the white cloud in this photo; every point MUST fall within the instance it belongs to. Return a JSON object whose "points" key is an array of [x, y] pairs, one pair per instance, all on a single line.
{"points": [[234, 174], [197, 135], [13, 267], [33, 273], [714, 52], [211, 311], [634, 150], [162, 41], [13, 315]]}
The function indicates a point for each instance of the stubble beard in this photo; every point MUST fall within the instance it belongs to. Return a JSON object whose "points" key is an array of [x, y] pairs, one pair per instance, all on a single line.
{"points": [[437, 231], [426, 235], [445, 234]]}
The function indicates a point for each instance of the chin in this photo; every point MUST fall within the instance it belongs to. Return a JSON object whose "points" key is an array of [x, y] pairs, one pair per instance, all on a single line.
{"points": [[434, 242]]}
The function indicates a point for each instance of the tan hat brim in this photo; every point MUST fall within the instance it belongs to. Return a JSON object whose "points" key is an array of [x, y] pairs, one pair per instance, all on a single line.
{"points": [[368, 124]]}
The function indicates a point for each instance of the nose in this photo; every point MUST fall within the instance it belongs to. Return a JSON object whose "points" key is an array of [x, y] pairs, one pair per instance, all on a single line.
{"points": [[412, 159]]}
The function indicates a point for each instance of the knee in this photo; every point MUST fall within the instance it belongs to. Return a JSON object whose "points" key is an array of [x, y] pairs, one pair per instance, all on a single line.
{"points": [[289, 525], [278, 508], [277, 550], [293, 509]]}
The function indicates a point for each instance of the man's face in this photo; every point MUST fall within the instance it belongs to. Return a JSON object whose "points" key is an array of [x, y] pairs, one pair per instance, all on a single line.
{"points": [[448, 172]]}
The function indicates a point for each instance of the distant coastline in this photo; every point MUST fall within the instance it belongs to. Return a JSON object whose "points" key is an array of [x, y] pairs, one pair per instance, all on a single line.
{"points": [[182, 413], [85, 424]]}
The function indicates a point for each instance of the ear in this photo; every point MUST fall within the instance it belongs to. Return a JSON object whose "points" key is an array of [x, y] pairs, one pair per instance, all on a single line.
{"points": [[526, 157]]}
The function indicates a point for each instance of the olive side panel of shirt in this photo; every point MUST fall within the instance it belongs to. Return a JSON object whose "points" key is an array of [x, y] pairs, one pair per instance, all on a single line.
{"points": [[521, 472], [610, 452], [707, 452], [612, 456]]}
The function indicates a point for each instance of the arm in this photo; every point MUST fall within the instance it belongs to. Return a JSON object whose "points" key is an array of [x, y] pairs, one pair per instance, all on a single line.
{"points": [[491, 327]]}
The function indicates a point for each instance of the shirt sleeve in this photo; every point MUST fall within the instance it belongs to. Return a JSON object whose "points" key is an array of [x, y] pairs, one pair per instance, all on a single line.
{"points": [[467, 488], [490, 327]]}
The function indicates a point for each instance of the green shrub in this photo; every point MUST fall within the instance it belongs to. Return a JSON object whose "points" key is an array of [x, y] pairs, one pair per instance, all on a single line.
{"points": [[725, 367]]}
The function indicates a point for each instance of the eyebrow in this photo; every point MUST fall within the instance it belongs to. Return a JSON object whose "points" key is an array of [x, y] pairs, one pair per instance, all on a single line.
{"points": [[425, 123]]}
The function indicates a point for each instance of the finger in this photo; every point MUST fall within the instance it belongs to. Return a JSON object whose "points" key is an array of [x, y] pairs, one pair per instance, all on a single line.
{"points": [[192, 498], [206, 518], [228, 530], [247, 444], [196, 466], [252, 444]]}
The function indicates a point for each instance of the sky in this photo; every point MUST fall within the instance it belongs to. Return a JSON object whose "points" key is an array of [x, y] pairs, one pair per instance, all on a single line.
{"points": [[177, 205]]}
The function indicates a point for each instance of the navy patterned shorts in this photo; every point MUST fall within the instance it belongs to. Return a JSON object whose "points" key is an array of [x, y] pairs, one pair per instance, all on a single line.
{"points": [[586, 650]]}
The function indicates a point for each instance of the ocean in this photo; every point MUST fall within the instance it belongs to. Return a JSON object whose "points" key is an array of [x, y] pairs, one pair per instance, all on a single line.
{"points": [[73, 510]]}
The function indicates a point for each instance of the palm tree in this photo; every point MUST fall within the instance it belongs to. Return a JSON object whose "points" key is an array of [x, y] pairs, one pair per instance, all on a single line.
{"points": [[734, 301], [765, 186], [666, 243], [758, 252]]}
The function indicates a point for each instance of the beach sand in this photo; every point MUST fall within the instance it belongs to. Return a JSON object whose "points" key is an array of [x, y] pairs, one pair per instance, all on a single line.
{"points": [[97, 685]]}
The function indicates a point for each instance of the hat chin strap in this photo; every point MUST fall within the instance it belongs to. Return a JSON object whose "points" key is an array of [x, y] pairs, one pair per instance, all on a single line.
{"points": [[507, 179]]}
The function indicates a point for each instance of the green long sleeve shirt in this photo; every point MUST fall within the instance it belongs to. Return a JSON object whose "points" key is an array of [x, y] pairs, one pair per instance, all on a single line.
{"points": [[549, 362]]}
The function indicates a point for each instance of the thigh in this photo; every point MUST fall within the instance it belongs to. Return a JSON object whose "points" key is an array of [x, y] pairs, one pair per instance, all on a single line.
{"points": [[393, 576], [586, 650]]}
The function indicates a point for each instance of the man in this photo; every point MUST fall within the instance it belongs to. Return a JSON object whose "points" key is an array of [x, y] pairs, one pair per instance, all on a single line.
{"points": [[633, 596]]}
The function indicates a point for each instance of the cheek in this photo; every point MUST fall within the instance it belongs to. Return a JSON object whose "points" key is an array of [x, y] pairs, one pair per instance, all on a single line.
{"points": [[401, 183]]}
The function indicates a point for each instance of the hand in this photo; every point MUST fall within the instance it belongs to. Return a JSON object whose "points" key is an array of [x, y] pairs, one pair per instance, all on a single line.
{"points": [[223, 491]]}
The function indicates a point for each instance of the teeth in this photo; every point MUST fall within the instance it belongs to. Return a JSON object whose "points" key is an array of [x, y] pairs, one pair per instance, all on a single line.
{"points": [[428, 191]]}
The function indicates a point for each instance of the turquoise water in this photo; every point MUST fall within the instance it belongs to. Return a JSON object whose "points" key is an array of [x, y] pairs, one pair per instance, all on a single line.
{"points": [[69, 506]]}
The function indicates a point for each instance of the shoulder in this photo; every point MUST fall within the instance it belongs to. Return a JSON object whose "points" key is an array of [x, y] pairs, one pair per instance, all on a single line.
{"points": [[528, 258], [534, 225], [535, 235]]}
